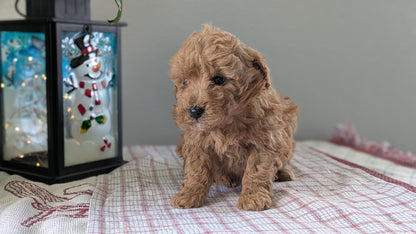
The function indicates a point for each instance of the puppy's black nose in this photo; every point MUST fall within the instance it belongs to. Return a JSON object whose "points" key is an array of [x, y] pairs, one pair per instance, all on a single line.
{"points": [[196, 112]]}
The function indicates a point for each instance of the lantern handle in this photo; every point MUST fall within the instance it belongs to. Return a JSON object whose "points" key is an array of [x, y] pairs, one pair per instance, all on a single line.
{"points": [[119, 12], [16, 7]]}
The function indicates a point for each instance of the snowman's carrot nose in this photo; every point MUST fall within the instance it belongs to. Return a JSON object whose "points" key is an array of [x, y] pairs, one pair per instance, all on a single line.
{"points": [[96, 68]]}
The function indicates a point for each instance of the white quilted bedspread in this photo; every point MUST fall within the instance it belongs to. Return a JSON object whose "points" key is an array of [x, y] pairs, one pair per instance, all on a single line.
{"points": [[329, 195]]}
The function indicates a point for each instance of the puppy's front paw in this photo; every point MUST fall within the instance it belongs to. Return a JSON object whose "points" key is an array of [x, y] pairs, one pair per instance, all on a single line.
{"points": [[187, 200], [254, 201]]}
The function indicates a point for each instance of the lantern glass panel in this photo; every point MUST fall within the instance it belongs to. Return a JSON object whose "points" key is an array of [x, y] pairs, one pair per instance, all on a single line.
{"points": [[23, 98], [89, 67]]}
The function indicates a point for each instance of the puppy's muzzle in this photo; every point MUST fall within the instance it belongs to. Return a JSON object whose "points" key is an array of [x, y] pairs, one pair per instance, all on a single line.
{"points": [[196, 112]]}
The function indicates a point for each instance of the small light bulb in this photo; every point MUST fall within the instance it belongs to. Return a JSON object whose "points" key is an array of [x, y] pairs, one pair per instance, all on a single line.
{"points": [[30, 58]]}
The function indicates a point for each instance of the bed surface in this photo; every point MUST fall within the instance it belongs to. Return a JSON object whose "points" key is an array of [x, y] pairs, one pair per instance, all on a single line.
{"points": [[330, 194]]}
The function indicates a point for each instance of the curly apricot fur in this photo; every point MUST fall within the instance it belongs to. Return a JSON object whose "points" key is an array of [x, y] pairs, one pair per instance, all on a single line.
{"points": [[245, 134]]}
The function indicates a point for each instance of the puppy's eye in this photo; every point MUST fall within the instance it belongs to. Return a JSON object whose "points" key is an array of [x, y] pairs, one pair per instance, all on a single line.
{"points": [[218, 80], [185, 82]]}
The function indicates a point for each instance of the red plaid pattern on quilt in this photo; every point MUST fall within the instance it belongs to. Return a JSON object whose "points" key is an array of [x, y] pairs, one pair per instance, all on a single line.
{"points": [[327, 196]]}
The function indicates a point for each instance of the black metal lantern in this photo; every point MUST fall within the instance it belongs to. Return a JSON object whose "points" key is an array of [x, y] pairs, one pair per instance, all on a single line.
{"points": [[60, 93]]}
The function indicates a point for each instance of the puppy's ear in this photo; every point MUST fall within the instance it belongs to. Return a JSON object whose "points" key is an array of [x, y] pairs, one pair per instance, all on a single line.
{"points": [[259, 64]]}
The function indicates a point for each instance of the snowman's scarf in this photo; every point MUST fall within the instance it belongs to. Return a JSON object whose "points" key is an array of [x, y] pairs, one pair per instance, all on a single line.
{"points": [[91, 90]]}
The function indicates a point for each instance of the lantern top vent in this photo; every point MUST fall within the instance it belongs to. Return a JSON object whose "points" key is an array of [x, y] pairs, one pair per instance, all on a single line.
{"points": [[58, 9]]}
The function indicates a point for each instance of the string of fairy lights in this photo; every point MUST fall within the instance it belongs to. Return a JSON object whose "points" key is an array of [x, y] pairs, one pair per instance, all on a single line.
{"points": [[23, 91], [26, 100]]}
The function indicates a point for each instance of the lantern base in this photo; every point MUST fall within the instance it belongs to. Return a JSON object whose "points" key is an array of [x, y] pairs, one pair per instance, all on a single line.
{"points": [[64, 178], [33, 159]]}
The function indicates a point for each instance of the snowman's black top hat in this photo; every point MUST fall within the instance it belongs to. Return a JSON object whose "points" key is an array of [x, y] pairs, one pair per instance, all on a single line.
{"points": [[87, 50]]}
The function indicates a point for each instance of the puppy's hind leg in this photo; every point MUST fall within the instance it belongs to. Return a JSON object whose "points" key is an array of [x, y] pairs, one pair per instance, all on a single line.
{"points": [[284, 175]]}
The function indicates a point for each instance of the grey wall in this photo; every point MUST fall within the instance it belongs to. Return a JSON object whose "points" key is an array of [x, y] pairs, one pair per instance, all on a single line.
{"points": [[337, 59]]}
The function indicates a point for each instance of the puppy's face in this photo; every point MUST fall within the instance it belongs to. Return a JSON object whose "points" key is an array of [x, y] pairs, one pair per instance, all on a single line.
{"points": [[215, 75]]}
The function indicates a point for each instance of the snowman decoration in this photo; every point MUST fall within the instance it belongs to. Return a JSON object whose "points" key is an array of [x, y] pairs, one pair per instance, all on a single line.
{"points": [[91, 118]]}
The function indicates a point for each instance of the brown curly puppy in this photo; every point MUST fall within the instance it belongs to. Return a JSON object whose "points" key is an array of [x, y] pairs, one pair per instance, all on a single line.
{"points": [[235, 127]]}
